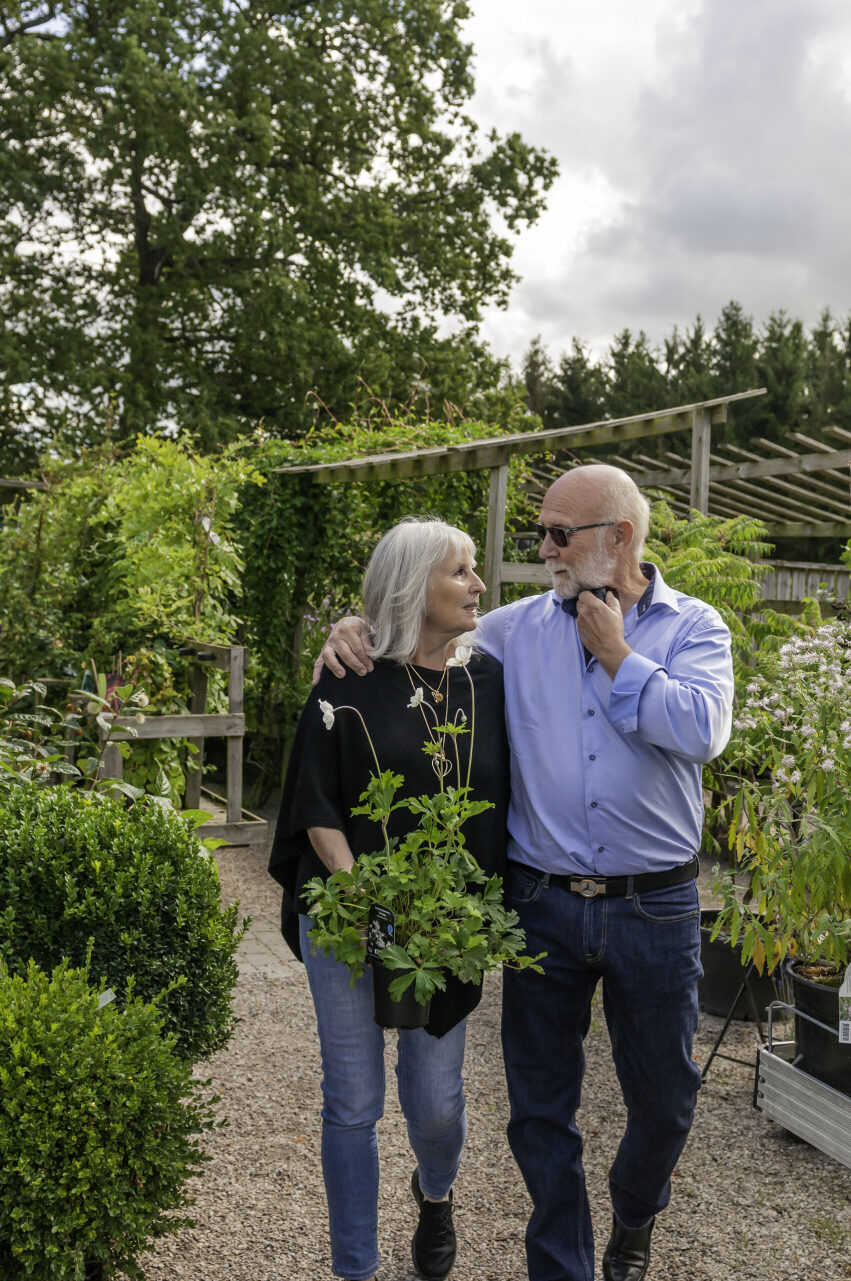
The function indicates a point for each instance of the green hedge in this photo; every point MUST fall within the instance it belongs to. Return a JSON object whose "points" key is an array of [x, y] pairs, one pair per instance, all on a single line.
{"points": [[99, 1127], [76, 866]]}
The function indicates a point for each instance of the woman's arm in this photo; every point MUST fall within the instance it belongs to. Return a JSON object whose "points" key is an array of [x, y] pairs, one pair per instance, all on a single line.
{"points": [[332, 847]]}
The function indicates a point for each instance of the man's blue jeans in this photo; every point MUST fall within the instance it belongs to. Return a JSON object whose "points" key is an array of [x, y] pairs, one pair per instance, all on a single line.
{"points": [[646, 949], [431, 1095]]}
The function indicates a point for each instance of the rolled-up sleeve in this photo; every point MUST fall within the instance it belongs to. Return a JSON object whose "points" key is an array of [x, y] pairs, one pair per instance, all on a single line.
{"points": [[685, 707]]}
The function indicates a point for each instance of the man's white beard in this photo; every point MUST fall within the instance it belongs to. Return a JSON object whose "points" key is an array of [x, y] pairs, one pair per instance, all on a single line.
{"points": [[594, 570]]}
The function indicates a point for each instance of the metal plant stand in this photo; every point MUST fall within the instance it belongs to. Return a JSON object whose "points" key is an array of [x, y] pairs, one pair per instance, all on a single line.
{"points": [[807, 1107]]}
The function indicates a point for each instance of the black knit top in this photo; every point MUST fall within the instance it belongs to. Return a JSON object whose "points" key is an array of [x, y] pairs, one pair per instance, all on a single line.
{"points": [[330, 768]]}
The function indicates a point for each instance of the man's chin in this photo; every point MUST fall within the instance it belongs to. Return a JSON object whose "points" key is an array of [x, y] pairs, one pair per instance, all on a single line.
{"points": [[564, 586]]}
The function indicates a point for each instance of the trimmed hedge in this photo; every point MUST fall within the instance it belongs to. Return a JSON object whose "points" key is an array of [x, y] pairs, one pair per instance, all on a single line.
{"points": [[77, 866], [99, 1127]]}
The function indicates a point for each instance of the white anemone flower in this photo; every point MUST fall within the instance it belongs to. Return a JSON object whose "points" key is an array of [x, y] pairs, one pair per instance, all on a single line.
{"points": [[416, 697], [461, 657], [327, 714]]}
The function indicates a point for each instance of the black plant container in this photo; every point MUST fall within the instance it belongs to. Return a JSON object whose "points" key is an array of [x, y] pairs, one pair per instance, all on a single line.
{"points": [[407, 1013], [818, 1051], [723, 974]]}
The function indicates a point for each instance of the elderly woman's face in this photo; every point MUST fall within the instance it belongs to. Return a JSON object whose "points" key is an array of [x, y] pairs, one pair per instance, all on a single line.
{"points": [[453, 595]]}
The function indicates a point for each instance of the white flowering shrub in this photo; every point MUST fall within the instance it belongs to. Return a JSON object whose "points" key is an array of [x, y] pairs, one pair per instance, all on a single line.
{"points": [[791, 817]]}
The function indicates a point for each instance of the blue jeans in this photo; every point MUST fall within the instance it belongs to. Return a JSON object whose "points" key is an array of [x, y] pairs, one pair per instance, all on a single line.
{"points": [[646, 949], [431, 1095]]}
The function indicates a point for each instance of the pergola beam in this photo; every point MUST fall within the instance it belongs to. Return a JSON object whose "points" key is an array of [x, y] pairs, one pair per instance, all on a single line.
{"points": [[497, 452]]}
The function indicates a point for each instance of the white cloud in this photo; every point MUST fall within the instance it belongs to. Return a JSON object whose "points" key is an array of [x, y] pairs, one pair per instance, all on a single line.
{"points": [[703, 150]]}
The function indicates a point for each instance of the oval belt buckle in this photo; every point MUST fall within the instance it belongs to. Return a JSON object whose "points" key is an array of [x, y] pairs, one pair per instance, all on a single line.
{"points": [[588, 888]]}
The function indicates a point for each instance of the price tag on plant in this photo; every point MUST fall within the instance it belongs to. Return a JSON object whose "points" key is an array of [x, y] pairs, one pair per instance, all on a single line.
{"points": [[381, 930], [845, 1009]]}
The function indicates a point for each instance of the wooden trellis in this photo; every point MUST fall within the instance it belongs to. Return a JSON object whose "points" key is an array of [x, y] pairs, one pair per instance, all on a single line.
{"points": [[239, 826], [796, 494]]}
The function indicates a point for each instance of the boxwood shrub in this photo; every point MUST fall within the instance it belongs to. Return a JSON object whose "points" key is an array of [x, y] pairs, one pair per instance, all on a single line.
{"points": [[99, 1127], [77, 865]]}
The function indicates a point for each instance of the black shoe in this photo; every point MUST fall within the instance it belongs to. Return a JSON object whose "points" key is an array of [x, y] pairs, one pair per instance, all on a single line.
{"points": [[628, 1253], [434, 1247]]}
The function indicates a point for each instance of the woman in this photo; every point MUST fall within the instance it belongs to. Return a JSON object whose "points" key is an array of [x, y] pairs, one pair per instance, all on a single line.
{"points": [[420, 594]]}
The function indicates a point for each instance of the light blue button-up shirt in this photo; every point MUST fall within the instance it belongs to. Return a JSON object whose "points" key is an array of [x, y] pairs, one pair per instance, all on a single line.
{"points": [[606, 775]]}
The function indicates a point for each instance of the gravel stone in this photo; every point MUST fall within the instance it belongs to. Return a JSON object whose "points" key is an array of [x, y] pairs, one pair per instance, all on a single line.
{"points": [[749, 1201]]}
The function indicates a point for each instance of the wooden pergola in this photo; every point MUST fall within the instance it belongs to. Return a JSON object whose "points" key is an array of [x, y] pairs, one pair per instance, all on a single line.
{"points": [[799, 494]]}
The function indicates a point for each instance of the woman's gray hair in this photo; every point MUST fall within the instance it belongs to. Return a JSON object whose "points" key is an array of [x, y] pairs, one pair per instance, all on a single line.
{"points": [[621, 499], [395, 585]]}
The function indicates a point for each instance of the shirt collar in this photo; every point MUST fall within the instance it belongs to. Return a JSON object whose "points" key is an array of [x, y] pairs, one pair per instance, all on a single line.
{"points": [[657, 592]]}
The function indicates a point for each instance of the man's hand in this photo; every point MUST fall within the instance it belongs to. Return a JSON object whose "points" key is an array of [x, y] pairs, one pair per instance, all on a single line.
{"points": [[600, 626], [349, 641]]}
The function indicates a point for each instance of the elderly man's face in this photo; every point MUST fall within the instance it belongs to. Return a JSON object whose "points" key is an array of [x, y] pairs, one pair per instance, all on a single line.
{"points": [[587, 560]]}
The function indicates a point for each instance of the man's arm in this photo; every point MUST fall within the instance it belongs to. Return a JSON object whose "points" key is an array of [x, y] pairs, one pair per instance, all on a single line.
{"points": [[685, 709], [348, 642]]}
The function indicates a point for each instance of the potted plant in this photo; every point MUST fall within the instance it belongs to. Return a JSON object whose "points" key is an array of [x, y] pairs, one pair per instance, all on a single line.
{"points": [[791, 834], [419, 908]]}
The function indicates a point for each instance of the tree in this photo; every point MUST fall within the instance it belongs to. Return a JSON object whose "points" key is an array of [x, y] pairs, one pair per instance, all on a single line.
{"points": [[537, 372], [210, 209], [579, 388]]}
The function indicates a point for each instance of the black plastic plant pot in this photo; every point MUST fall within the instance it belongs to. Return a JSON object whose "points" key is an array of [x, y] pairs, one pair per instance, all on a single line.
{"points": [[818, 1051], [723, 975], [407, 1013]]}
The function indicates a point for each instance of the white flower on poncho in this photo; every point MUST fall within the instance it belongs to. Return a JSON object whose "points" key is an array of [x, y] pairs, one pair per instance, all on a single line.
{"points": [[416, 697], [461, 657]]}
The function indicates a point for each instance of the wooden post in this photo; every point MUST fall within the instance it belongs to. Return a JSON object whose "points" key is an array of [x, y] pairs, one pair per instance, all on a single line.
{"points": [[234, 766], [495, 535], [192, 796], [700, 441]]}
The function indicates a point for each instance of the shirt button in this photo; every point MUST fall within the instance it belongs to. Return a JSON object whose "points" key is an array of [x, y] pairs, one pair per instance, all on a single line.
{"points": [[592, 757], [593, 805], [600, 849], [591, 712]]}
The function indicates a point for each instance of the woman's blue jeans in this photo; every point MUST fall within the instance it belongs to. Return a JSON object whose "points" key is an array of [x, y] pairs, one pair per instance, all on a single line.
{"points": [[431, 1095], [646, 950]]}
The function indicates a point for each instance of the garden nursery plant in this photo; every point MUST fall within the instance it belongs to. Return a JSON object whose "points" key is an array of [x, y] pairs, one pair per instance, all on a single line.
{"points": [[790, 831], [447, 915]]}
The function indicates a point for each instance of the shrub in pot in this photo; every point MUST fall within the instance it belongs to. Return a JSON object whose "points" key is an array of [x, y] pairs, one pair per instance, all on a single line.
{"points": [[791, 824], [78, 866], [99, 1127]]}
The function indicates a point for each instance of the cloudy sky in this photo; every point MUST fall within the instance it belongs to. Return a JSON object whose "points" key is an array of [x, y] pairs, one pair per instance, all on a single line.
{"points": [[705, 154]]}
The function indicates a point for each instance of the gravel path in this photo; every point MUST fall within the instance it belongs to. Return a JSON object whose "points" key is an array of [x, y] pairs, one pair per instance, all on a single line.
{"points": [[748, 1201]]}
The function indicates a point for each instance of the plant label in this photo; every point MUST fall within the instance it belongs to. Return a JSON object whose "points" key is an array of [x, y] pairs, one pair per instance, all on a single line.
{"points": [[381, 930], [845, 1009]]}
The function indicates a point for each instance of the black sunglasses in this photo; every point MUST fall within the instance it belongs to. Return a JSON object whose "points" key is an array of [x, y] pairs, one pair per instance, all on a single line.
{"points": [[559, 535]]}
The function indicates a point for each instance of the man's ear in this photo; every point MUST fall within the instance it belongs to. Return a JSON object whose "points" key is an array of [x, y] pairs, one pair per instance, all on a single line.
{"points": [[624, 532]]}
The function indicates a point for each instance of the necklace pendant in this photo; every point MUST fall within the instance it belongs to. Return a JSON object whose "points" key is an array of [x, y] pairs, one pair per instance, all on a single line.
{"points": [[438, 697]]}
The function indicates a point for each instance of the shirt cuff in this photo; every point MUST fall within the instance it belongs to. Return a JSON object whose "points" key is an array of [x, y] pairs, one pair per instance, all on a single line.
{"points": [[631, 677]]}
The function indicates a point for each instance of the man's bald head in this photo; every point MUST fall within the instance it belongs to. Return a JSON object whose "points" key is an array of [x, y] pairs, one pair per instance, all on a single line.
{"points": [[601, 492]]}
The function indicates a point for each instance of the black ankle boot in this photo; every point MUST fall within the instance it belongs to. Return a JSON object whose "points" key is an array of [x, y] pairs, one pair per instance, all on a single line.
{"points": [[628, 1253], [433, 1248]]}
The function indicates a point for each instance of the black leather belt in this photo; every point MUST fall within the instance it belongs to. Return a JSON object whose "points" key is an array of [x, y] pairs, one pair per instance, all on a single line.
{"points": [[618, 886]]}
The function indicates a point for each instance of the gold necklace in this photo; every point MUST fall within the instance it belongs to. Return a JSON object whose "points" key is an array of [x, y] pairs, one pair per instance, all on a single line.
{"points": [[440, 762], [436, 694]]}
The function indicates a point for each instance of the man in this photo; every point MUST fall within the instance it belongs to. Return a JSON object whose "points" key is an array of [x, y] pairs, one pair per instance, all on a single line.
{"points": [[614, 700]]}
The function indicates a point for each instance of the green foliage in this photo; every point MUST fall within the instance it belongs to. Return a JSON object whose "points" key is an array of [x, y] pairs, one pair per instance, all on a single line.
{"points": [[124, 555], [305, 547], [449, 916], [790, 822], [76, 866], [715, 560], [256, 180], [99, 1129]]}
